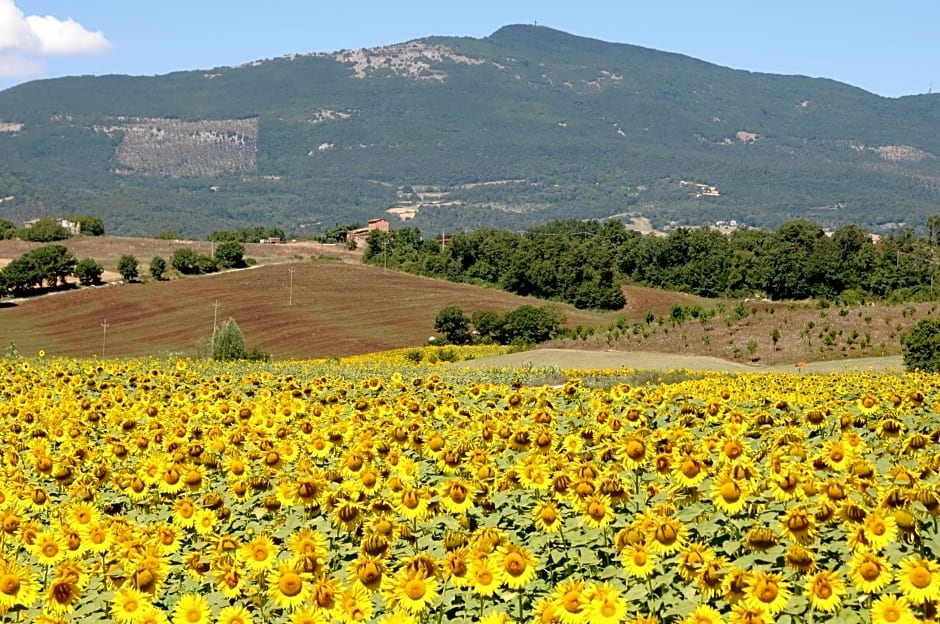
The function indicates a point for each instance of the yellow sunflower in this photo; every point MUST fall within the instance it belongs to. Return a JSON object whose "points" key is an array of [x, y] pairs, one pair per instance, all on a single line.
{"points": [[18, 586], [518, 564], [412, 503], [456, 496], [704, 614], [150, 614], [234, 615], [668, 536], [744, 613], [483, 577], [456, 567], [880, 530], [891, 609], [919, 579], [368, 572], [325, 593], [605, 605], [636, 450], [127, 603], [204, 521], [184, 513], [768, 591], [596, 511], [48, 547], [799, 525], [97, 537], [62, 595], [192, 609], [729, 495], [710, 578], [287, 587], [867, 404], [799, 559], [689, 469], [692, 558], [869, 572], [785, 485], [410, 592], [638, 560], [569, 602], [547, 517], [356, 605], [259, 553], [825, 590]]}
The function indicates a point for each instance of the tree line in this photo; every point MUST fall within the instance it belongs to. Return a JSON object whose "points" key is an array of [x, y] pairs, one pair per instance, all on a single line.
{"points": [[584, 263], [48, 230], [49, 267]]}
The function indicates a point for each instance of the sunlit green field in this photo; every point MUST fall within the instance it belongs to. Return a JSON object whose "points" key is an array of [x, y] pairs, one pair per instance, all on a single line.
{"points": [[380, 489]]}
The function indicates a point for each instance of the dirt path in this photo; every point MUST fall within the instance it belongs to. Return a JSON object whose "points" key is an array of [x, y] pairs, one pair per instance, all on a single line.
{"points": [[645, 360]]}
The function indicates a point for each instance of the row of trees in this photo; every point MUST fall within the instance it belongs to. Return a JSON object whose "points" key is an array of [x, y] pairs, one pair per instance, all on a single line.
{"points": [[585, 262], [569, 261], [523, 325], [49, 267], [51, 230], [228, 254], [247, 234]]}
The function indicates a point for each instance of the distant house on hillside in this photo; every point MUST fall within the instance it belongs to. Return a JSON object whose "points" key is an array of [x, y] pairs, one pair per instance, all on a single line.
{"points": [[360, 235], [74, 228]]}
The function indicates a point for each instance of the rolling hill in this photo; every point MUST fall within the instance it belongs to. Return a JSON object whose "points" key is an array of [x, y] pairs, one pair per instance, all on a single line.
{"points": [[525, 126], [323, 308]]}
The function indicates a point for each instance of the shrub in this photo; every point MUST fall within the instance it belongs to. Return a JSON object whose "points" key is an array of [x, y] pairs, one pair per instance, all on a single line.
{"points": [[921, 346], [157, 268], [88, 271], [127, 267]]}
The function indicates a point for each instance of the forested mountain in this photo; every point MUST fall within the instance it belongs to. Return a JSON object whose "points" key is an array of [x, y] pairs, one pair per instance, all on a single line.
{"points": [[523, 127]]}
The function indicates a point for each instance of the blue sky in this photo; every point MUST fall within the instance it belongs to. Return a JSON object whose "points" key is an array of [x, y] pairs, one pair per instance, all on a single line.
{"points": [[888, 48]]}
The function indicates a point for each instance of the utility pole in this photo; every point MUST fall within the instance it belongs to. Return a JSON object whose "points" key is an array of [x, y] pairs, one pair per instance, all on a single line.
{"points": [[385, 254], [290, 287], [215, 317], [104, 335]]}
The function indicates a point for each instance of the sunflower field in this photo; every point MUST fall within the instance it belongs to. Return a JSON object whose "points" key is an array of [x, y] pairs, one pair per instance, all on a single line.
{"points": [[377, 489]]}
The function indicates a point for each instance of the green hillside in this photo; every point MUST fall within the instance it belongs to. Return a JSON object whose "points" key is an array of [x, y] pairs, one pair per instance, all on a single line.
{"points": [[522, 127]]}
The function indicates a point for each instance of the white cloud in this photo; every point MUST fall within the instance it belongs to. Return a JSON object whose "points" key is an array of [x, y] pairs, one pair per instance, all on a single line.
{"points": [[23, 38], [65, 37]]}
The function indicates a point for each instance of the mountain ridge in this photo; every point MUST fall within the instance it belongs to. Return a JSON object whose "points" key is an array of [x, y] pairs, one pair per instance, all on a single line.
{"points": [[592, 129]]}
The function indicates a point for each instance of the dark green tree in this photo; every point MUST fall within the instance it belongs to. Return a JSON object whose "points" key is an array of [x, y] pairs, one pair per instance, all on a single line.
{"points": [[157, 268], [22, 274], [128, 267], [228, 342], [88, 271], [454, 324], [206, 264], [230, 254], [55, 263], [90, 225], [7, 229], [921, 346], [44, 231], [185, 260], [485, 323], [530, 325]]}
